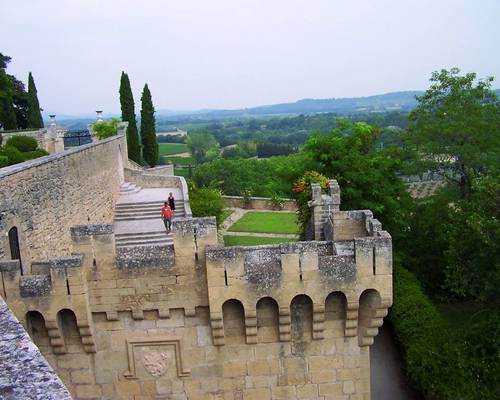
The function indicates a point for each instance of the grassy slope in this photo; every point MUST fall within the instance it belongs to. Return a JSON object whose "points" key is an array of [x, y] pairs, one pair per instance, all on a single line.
{"points": [[266, 222]]}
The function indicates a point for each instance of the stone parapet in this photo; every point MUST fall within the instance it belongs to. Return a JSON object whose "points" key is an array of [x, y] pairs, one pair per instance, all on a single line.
{"points": [[315, 269], [25, 372], [259, 203]]}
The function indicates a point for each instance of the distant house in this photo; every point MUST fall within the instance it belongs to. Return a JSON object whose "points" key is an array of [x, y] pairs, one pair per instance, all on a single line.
{"points": [[176, 132]]}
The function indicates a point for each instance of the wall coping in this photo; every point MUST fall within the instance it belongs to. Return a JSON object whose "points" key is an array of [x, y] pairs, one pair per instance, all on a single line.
{"points": [[256, 198], [14, 169]]}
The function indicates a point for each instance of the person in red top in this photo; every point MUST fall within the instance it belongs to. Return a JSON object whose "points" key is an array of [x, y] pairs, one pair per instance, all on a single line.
{"points": [[166, 214]]}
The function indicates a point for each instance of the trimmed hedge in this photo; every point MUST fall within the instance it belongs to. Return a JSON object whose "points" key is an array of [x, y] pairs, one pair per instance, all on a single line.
{"points": [[13, 155], [31, 155], [440, 362], [22, 143]]}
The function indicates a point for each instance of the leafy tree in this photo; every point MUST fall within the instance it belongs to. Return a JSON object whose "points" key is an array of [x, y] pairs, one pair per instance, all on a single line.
{"points": [[128, 114], [426, 242], [35, 119], [262, 177], [456, 127], [206, 202], [367, 176], [7, 112], [203, 147], [473, 255], [148, 130]]}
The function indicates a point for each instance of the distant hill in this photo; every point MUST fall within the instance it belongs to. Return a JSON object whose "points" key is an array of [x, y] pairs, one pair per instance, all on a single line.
{"points": [[396, 101]]}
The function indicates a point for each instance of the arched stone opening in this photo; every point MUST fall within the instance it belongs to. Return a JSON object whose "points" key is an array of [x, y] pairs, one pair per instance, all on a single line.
{"points": [[233, 318], [335, 314], [369, 302], [66, 319], [35, 326], [301, 312], [15, 249], [267, 320]]}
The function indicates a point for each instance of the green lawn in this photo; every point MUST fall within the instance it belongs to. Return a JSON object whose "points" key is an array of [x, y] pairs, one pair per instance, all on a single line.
{"points": [[253, 240], [266, 222], [167, 149]]}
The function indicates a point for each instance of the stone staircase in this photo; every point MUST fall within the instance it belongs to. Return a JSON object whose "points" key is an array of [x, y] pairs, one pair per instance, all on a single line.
{"points": [[145, 210], [129, 188], [140, 236], [153, 238]]}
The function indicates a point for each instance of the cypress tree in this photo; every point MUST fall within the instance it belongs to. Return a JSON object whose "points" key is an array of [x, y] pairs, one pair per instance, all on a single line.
{"points": [[148, 130], [128, 114], [35, 119]]}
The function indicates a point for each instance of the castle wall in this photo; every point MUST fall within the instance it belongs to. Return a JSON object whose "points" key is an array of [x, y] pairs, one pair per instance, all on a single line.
{"points": [[288, 321], [292, 321], [44, 197]]}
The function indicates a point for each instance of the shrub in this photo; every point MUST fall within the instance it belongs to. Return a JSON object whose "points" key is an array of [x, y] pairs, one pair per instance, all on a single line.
{"points": [[30, 155], [4, 161], [106, 129], [206, 202], [443, 363], [13, 155], [277, 201], [22, 143]]}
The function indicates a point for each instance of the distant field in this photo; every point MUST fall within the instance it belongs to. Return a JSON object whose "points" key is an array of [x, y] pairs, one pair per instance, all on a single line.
{"points": [[253, 240], [179, 160], [266, 222], [167, 149], [420, 190]]}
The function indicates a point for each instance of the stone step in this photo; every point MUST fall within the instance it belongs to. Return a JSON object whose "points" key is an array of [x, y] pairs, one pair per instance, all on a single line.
{"points": [[129, 188], [143, 238], [155, 211], [145, 209], [170, 245], [140, 242], [143, 235], [140, 217], [147, 205]]}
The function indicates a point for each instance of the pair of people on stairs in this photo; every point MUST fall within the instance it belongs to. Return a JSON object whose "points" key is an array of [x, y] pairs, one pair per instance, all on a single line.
{"points": [[167, 212]]}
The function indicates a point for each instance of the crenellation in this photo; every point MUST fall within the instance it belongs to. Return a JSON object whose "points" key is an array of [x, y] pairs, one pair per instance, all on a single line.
{"points": [[35, 285]]}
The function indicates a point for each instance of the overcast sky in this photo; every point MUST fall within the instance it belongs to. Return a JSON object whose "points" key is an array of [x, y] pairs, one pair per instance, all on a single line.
{"points": [[240, 53]]}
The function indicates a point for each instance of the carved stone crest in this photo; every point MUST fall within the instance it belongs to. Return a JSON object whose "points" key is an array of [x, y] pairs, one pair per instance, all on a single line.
{"points": [[155, 362], [157, 355]]}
